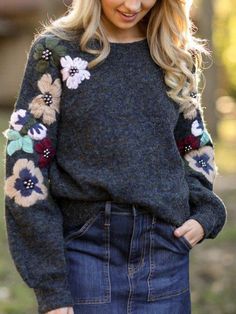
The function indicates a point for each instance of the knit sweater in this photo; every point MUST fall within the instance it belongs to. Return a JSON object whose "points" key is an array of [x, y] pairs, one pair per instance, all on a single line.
{"points": [[78, 137]]}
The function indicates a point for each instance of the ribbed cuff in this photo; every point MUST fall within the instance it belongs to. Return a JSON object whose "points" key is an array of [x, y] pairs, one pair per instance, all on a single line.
{"points": [[50, 299], [207, 220]]}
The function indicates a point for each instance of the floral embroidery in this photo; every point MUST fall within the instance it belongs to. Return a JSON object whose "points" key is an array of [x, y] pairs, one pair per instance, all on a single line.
{"points": [[46, 151], [197, 128], [47, 103], [19, 118], [205, 139], [73, 71], [25, 186], [187, 144], [18, 142], [49, 53], [22, 121], [38, 131], [202, 160]]}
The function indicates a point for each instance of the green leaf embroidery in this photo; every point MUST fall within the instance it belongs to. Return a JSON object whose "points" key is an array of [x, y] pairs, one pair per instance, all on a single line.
{"points": [[205, 138], [51, 43], [27, 144], [13, 146], [41, 66], [11, 134], [18, 142]]}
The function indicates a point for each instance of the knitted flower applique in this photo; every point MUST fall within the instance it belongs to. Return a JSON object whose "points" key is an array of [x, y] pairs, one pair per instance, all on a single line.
{"points": [[18, 142], [25, 185], [25, 130], [197, 128], [202, 160], [46, 104], [48, 53], [187, 144], [74, 71], [46, 152]]}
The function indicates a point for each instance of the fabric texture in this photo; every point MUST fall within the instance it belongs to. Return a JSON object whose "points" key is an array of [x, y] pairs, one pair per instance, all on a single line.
{"points": [[128, 261], [78, 137]]}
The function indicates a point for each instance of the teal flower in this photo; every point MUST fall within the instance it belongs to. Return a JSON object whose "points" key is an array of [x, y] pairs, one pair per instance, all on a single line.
{"points": [[49, 53], [18, 142]]}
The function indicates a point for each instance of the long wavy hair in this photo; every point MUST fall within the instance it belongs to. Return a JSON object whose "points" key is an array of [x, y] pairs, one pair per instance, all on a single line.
{"points": [[170, 35]]}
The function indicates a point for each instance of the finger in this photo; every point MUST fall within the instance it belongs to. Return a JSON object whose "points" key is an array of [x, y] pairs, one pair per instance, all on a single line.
{"points": [[70, 310], [180, 231]]}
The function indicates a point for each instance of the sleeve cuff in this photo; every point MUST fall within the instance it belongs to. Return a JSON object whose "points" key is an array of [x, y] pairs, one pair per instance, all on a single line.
{"points": [[207, 221], [49, 300]]}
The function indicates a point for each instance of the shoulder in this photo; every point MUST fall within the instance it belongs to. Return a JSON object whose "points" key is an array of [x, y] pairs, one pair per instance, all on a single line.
{"points": [[45, 53]]}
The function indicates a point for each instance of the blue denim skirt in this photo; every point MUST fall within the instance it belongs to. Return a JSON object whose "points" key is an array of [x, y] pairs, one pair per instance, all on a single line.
{"points": [[124, 260]]}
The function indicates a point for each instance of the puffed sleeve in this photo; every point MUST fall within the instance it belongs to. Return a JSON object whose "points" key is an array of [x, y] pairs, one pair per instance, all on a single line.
{"points": [[197, 150], [33, 220]]}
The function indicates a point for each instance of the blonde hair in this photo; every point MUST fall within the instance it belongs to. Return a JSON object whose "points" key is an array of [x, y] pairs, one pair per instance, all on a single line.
{"points": [[170, 36]]}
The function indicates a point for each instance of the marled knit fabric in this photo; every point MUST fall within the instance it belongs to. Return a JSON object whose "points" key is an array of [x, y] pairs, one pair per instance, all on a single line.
{"points": [[78, 137]]}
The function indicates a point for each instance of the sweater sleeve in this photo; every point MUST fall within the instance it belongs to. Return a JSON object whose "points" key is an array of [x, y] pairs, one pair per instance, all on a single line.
{"points": [[33, 220], [197, 150]]}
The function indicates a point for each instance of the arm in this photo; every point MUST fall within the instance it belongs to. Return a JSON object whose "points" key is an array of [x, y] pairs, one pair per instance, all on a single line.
{"points": [[196, 148], [34, 222]]}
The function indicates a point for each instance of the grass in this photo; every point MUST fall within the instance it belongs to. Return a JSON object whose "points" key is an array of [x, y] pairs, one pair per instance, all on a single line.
{"points": [[212, 279]]}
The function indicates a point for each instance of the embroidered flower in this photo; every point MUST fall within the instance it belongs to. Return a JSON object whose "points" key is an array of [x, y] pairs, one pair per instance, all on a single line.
{"points": [[49, 53], [19, 118], [18, 142], [22, 121], [25, 185], [197, 128], [202, 160], [73, 71], [47, 103], [187, 144], [46, 151], [37, 132]]}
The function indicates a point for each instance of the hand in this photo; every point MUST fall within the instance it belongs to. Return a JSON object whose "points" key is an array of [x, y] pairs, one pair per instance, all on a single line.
{"points": [[62, 310], [192, 230]]}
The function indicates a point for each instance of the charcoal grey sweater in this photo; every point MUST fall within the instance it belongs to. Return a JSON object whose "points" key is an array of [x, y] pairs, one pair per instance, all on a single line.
{"points": [[78, 137]]}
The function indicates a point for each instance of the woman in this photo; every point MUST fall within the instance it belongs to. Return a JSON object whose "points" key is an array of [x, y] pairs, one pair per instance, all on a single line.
{"points": [[109, 165]]}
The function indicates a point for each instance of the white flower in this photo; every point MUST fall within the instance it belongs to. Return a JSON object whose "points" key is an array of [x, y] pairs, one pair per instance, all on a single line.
{"points": [[19, 118], [196, 128], [73, 71], [37, 132]]}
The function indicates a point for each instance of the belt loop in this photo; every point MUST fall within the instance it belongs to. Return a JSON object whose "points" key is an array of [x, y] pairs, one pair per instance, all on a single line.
{"points": [[107, 213], [134, 210]]}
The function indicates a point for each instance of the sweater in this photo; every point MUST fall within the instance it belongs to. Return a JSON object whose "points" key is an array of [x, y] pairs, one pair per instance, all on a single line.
{"points": [[78, 137]]}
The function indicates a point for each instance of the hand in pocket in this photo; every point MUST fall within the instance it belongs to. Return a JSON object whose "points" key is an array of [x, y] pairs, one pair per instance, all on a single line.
{"points": [[192, 230]]}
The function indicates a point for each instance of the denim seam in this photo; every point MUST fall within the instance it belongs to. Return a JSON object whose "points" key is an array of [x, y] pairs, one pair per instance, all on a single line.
{"points": [[83, 229], [141, 261], [151, 293], [129, 273]]}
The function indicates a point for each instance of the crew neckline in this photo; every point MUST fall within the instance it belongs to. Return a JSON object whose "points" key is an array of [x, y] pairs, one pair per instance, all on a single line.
{"points": [[128, 43]]}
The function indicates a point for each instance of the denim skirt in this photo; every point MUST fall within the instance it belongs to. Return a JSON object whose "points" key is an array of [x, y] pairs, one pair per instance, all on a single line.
{"points": [[123, 260]]}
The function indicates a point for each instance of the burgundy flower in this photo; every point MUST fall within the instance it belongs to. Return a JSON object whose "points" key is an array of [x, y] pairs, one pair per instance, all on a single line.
{"points": [[46, 151], [187, 144]]}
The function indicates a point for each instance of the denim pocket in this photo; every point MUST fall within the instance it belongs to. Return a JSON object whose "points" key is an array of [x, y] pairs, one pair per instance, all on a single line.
{"points": [[182, 238], [169, 262], [87, 254]]}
